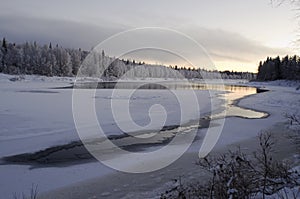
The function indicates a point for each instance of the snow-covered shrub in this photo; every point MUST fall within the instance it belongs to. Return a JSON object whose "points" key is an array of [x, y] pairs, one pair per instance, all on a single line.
{"points": [[237, 175]]}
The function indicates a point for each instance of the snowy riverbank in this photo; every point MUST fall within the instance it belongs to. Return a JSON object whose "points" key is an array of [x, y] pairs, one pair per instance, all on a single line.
{"points": [[34, 116]]}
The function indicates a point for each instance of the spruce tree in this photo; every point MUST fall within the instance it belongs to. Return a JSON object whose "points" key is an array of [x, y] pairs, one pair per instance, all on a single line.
{"points": [[4, 44]]}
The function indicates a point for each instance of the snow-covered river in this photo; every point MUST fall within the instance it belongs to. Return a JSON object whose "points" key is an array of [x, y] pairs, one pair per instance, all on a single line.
{"points": [[36, 116]]}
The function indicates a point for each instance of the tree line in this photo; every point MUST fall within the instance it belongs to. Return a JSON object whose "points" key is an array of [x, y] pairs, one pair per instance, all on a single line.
{"points": [[31, 58], [276, 68], [48, 60]]}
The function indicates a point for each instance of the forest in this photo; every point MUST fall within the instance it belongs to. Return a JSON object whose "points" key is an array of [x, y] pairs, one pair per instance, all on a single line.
{"points": [[48, 60], [276, 68]]}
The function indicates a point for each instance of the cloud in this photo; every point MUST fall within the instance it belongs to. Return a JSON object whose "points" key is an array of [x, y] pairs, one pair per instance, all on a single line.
{"points": [[66, 33], [221, 45], [228, 46]]}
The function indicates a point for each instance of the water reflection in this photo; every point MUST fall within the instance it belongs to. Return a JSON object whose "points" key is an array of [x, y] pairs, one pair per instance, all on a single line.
{"points": [[232, 97], [232, 94]]}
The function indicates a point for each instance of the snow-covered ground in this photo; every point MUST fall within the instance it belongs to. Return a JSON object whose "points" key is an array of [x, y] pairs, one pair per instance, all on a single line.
{"points": [[35, 115]]}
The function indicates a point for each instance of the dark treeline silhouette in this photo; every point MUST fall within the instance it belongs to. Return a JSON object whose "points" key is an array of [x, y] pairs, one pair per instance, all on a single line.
{"points": [[31, 58], [276, 68]]}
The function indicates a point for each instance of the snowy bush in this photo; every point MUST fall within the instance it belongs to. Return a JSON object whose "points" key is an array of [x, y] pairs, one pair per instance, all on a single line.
{"points": [[294, 120], [237, 175]]}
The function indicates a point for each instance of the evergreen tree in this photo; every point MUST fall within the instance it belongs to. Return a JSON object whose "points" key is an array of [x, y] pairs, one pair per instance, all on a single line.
{"points": [[273, 69], [31, 58], [4, 44]]}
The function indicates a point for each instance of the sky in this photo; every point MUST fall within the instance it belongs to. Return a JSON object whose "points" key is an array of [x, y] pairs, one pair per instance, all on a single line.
{"points": [[235, 34]]}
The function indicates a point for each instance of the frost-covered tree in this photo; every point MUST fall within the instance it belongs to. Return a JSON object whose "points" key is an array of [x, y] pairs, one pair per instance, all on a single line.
{"points": [[31, 58]]}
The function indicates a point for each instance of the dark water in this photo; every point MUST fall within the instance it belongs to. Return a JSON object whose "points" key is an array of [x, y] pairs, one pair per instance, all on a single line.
{"points": [[159, 85]]}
